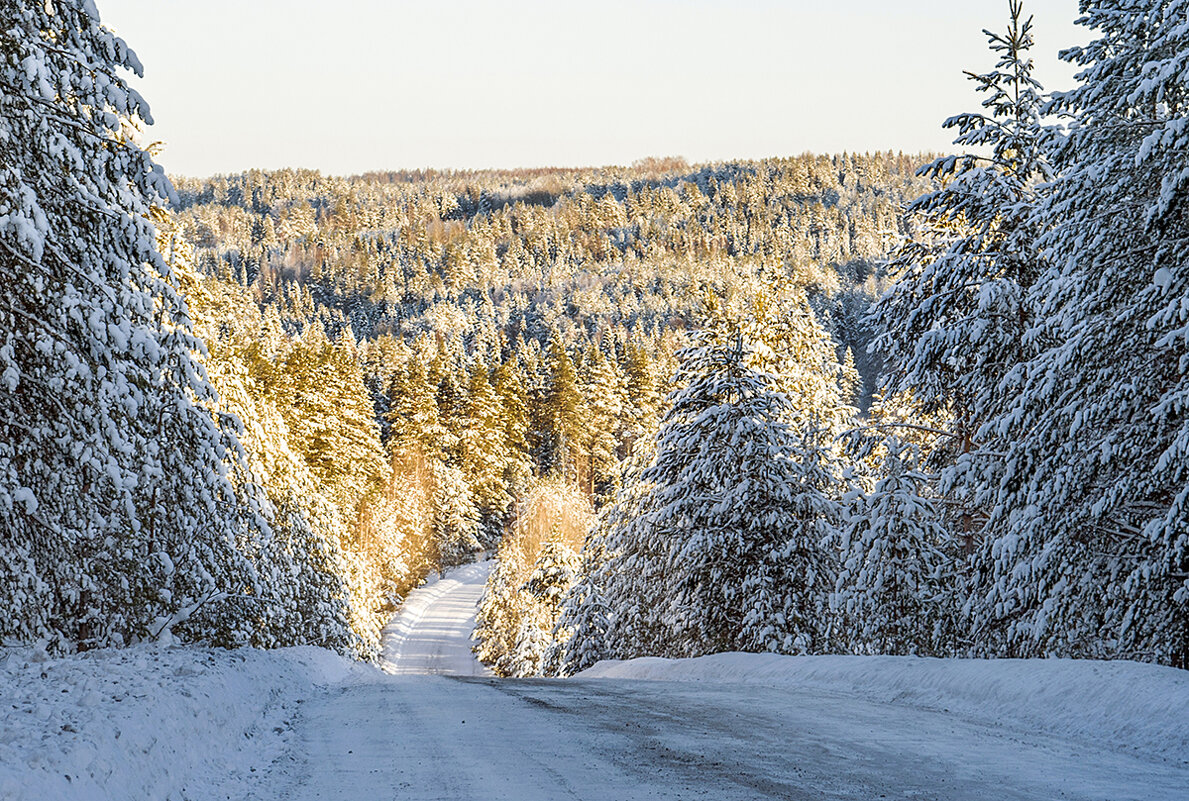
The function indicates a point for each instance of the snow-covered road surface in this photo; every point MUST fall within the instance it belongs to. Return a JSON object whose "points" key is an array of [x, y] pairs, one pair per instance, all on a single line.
{"points": [[464, 737], [432, 633], [194, 724]]}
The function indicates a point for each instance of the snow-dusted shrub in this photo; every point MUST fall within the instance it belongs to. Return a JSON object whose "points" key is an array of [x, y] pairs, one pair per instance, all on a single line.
{"points": [[537, 562]]}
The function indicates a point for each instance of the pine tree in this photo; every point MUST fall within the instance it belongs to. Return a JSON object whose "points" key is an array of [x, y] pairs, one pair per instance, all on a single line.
{"points": [[644, 400], [584, 617], [892, 584], [498, 620], [484, 454], [413, 419], [331, 419], [546, 586], [455, 527], [511, 390], [444, 376], [792, 346], [727, 529], [302, 597], [617, 607], [563, 424], [953, 326], [552, 574], [604, 389]]}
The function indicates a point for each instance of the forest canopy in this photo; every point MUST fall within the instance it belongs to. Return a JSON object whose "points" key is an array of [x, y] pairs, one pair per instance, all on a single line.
{"points": [[859, 403]]}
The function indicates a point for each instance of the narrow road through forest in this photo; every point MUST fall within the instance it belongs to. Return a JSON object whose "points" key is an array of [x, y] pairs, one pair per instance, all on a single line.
{"points": [[443, 728]]}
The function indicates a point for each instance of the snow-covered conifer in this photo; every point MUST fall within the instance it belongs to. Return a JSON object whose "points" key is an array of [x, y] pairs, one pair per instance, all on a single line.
{"points": [[485, 455], [891, 587], [547, 585], [536, 564], [605, 392], [1094, 559], [563, 427], [455, 523], [303, 597], [953, 326], [616, 608], [119, 517], [584, 618], [791, 345], [725, 529]]}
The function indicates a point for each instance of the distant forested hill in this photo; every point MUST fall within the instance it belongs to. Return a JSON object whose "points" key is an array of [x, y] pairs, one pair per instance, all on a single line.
{"points": [[424, 361], [622, 252]]}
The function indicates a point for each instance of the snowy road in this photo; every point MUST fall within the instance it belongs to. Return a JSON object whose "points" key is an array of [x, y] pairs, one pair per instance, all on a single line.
{"points": [[432, 634], [461, 737]]}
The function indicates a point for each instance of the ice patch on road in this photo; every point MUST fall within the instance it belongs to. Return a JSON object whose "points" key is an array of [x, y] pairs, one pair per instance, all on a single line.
{"points": [[1129, 706]]}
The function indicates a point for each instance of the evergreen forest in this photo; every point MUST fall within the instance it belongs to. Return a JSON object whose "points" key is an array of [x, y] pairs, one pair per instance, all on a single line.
{"points": [[877, 403]]}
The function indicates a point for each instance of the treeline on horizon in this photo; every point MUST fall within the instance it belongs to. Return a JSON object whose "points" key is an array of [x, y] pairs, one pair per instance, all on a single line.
{"points": [[819, 404]]}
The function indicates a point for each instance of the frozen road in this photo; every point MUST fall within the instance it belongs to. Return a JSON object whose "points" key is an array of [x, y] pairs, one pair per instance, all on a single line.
{"points": [[454, 734]]}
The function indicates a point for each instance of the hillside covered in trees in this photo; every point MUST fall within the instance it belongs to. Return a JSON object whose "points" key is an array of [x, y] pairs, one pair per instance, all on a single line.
{"points": [[871, 403], [462, 345]]}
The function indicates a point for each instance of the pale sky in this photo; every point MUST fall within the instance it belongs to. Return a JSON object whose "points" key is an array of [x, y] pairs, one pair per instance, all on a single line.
{"points": [[354, 85]]}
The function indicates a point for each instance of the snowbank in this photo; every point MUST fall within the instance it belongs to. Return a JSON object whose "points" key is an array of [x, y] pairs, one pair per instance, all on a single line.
{"points": [[151, 722], [1129, 706]]}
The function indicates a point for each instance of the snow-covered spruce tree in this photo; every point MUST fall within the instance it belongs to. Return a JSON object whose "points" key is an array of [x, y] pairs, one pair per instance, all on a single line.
{"points": [[952, 328], [319, 389], [500, 616], [584, 616], [739, 502], [484, 455], [509, 386], [891, 587], [547, 584], [617, 607], [605, 390], [643, 399], [563, 427], [787, 592], [454, 537], [791, 345], [117, 515], [302, 596], [1095, 561]]}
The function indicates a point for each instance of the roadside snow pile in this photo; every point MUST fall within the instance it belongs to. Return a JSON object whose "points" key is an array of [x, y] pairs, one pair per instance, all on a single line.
{"points": [[1137, 708], [151, 722]]}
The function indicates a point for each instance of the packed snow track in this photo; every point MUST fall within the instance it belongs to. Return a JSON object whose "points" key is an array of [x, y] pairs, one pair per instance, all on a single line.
{"points": [[453, 734], [432, 634]]}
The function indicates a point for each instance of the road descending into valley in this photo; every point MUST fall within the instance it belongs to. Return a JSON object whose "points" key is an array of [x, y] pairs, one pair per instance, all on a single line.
{"points": [[441, 727]]}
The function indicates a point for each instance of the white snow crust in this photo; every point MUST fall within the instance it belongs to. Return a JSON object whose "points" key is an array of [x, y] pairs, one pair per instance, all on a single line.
{"points": [[151, 722]]}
